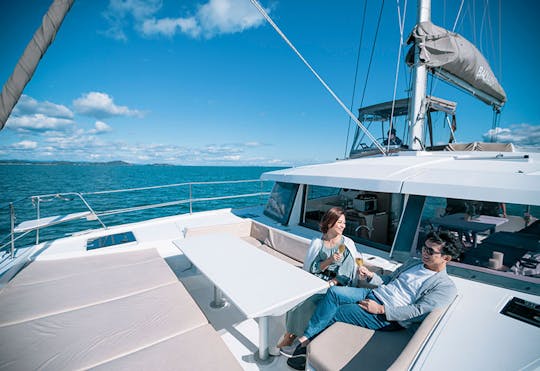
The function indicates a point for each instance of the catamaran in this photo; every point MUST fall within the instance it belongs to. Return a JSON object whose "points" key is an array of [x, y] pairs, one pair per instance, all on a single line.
{"points": [[209, 289]]}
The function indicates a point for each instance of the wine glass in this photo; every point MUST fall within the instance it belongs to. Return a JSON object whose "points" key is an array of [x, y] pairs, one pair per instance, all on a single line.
{"points": [[342, 248], [359, 259]]}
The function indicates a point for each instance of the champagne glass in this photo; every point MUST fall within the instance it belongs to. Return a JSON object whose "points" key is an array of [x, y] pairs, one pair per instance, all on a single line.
{"points": [[359, 259], [342, 248]]}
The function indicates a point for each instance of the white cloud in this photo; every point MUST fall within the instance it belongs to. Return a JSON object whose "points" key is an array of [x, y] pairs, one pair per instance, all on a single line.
{"points": [[25, 144], [30, 106], [169, 26], [101, 105], [84, 145], [213, 18], [38, 122], [228, 16], [99, 128], [119, 11], [524, 135]]}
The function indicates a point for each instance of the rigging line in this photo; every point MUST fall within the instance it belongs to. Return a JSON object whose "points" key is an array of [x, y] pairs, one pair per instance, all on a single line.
{"points": [[458, 14], [401, 27], [453, 30], [372, 53], [278, 30], [356, 75], [500, 42], [490, 29]]}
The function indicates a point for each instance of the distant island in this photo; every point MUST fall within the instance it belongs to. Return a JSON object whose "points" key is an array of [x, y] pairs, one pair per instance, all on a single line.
{"points": [[112, 163], [75, 163]]}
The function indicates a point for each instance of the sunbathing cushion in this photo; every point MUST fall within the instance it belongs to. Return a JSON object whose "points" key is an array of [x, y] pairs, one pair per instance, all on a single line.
{"points": [[48, 270], [90, 336], [83, 288], [199, 349]]}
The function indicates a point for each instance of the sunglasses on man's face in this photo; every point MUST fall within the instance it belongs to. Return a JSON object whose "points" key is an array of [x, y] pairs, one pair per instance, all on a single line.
{"points": [[429, 250]]}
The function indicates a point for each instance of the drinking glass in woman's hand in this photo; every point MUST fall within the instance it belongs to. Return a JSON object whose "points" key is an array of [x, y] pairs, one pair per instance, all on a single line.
{"points": [[364, 273], [336, 257]]}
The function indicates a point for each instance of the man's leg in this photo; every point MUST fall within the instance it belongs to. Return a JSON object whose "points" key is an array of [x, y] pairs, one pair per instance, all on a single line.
{"points": [[355, 315], [328, 307]]}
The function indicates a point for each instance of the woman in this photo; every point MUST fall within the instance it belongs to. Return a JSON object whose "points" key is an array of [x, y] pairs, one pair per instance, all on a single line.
{"points": [[324, 260]]}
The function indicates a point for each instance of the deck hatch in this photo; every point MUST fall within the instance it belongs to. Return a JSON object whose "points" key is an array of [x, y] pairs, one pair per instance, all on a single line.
{"points": [[110, 240], [523, 310]]}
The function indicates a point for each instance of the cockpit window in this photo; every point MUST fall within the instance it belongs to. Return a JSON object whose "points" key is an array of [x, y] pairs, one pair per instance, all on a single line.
{"points": [[499, 239], [280, 202], [371, 217]]}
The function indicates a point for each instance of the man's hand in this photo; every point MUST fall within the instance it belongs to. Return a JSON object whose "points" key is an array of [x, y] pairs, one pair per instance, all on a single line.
{"points": [[371, 306], [364, 273]]}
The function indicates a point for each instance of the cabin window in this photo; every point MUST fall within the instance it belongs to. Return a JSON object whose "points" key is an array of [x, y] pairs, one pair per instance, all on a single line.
{"points": [[498, 239], [371, 216], [280, 202], [110, 240]]}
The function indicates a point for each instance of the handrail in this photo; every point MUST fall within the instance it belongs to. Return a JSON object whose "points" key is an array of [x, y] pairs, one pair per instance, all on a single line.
{"points": [[37, 200]]}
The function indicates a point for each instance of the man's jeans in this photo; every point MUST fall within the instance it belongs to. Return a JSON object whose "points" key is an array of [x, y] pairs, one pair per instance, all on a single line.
{"points": [[340, 304]]}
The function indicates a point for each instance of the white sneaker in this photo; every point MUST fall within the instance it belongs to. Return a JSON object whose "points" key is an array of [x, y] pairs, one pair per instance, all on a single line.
{"points": [[273, 351], [288, 350]]}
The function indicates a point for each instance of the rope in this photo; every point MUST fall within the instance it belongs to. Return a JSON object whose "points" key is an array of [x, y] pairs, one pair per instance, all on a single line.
{"points": [[401, 27], [457, 16], [356, 75], [372, 53], [271, 22]]}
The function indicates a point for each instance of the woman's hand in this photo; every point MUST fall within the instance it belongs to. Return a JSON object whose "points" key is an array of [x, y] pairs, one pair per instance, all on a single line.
{"points": [[364, 273], [336, 257]]}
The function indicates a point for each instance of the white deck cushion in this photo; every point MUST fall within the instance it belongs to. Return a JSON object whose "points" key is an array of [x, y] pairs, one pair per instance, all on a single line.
{"points": [[199, 349], [83, 287], [95, 261], [93, 335]]}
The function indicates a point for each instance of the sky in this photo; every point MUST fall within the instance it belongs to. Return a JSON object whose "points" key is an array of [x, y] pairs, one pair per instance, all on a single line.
{"points": [[210, 82]]}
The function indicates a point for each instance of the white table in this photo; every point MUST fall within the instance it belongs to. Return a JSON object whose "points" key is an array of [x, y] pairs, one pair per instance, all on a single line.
{"points": [[259, 284]]}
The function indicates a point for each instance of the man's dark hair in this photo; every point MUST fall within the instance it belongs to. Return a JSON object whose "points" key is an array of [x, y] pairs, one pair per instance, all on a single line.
{"points": [[451, 245]]}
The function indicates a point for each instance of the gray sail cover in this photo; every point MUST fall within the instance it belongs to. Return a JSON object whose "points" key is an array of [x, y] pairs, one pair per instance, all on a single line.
{"points": [[28, 62], [453, 54]]}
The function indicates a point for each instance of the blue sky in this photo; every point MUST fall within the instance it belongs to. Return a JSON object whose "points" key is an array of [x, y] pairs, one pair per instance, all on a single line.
{"points": [[211, 83]]}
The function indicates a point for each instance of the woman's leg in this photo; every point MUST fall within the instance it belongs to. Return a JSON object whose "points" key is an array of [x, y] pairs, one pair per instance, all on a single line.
{"points": [[298, 317]]}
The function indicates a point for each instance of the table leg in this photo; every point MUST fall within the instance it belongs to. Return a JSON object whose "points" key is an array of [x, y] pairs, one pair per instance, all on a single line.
{"points": [[219, 301], [263, 338]]}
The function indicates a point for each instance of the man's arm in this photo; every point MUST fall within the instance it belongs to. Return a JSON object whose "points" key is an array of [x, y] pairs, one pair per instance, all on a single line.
{"points": [[439, 296]]}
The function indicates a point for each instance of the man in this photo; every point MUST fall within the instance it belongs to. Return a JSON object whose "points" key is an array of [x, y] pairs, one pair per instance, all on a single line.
{"points": [[401, 300], [392, 138]]}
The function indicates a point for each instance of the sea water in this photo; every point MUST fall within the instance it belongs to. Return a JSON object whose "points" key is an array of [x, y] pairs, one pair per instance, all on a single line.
{"points": [[19, 182]]}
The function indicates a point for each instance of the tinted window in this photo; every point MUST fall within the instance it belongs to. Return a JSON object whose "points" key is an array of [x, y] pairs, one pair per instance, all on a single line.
{"points": [[280, 202]]}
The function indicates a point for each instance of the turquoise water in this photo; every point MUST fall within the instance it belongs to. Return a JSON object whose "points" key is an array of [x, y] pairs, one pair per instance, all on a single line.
{"points": [[22, 181]]}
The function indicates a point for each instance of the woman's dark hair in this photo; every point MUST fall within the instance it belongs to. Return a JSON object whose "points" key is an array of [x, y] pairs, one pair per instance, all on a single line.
{"points": [[451, 245], [330, 218]]}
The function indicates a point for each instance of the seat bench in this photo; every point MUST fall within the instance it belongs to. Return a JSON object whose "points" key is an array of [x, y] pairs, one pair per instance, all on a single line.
{"points": [[280, 244], [347, 347]]}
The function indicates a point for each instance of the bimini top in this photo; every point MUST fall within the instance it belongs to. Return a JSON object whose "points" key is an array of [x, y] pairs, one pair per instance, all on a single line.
{"points": [[486, 176]]}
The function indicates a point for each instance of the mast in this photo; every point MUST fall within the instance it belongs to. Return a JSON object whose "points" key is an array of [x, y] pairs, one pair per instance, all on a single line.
{"points": [[418, 113]]}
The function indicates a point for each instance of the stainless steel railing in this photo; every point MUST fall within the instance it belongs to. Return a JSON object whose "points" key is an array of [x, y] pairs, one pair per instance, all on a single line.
{"points": [[15, 235]]}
